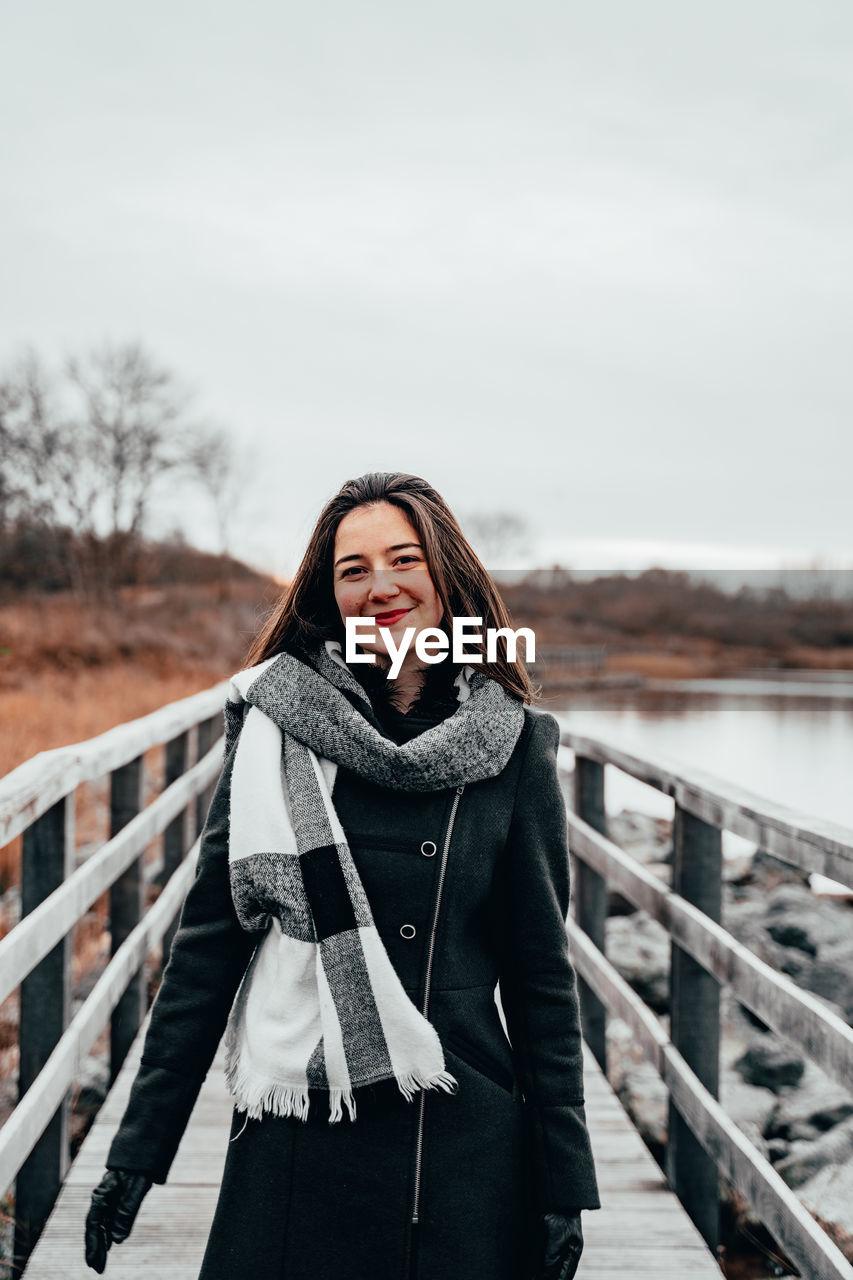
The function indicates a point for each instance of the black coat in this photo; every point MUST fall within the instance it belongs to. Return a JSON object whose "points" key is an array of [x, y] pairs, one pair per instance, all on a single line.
{"points": [[309, 1200]]}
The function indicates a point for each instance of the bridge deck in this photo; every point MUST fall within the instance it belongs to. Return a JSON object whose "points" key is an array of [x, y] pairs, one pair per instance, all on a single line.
{"points": [[640, 1230]]}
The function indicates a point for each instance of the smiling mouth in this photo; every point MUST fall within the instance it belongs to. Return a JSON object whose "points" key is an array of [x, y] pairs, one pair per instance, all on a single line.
{"points": [[384, 618]]}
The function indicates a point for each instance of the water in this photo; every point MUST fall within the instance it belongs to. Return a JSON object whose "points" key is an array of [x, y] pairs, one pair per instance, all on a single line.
{"points": [[790, 747]]}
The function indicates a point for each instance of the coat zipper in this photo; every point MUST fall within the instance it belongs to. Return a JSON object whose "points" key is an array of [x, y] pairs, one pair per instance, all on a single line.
{"points": [[425, 1007]]}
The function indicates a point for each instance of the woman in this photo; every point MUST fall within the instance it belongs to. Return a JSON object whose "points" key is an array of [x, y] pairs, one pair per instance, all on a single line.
{"points": [[413, 859]]}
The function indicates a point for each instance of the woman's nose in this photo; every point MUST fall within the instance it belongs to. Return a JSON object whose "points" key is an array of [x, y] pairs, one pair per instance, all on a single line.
{"points": [[382, 586]]}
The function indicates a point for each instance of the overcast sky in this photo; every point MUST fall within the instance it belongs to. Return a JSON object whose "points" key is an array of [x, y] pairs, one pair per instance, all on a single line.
{"points": [[587, 263]]}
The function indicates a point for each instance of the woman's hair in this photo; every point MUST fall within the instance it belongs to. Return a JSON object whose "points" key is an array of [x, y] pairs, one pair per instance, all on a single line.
{"points": [[307, 612]]}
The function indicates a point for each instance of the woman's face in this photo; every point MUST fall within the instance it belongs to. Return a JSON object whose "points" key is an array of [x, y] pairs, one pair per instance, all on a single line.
{"points": [[380, 571]]}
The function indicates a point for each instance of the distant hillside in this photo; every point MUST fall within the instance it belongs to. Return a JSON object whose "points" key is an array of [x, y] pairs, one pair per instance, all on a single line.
{"points": [[39, 557], [669, 609]]}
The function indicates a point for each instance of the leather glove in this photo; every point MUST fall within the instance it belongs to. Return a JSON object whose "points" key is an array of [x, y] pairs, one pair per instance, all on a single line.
{"points": [[115, 1204], [562, 1248]]}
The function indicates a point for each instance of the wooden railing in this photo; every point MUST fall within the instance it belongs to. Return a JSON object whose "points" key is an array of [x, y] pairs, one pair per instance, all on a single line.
{"points": [[702, 1141], [37, 799]]}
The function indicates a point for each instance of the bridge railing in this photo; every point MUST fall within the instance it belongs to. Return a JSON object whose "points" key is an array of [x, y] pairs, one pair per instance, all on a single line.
{"points": [[703, 1141], [37, 800]]}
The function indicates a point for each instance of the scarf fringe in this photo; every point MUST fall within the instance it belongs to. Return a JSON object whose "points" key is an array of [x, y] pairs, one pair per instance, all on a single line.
{"points": [[254, 1094], [411, 1082]]}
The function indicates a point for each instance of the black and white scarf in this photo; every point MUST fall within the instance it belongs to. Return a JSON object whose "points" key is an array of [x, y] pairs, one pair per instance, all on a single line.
{"points": [[320, 1005]]}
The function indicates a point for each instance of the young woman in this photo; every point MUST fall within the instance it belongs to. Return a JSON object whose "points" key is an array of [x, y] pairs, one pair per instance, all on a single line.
{"points": [[379, 857]]}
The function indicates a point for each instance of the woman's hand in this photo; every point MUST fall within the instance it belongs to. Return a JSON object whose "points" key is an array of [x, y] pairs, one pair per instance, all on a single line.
{"points": [[115, 1204], [563, 1246]]}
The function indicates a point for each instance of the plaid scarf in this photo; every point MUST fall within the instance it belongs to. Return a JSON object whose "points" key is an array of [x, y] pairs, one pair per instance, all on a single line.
{"points": [[320, 1005]]}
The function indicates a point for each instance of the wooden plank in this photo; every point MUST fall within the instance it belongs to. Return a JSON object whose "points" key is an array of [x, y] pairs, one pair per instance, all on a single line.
{"points": [[37, 933], [34, 786], [809, 842]]}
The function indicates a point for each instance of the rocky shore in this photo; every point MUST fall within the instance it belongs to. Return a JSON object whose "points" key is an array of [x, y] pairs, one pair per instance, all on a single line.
{"points": [[799, 1118]]}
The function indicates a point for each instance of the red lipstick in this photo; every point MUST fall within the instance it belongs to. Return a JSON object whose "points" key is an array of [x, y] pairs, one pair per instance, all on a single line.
{"points": [[388, 619]]}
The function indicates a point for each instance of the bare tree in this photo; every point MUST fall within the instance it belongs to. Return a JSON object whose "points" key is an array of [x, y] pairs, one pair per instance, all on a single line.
{"points": [[134, 415], [496, 535], [88, 449], [212, 462]]}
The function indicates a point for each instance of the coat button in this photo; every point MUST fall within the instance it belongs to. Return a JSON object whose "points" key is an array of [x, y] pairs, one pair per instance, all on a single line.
{"points": [[407, 931], [428, 848]]}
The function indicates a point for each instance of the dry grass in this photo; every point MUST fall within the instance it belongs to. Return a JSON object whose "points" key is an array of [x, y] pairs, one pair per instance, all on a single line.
{"points": [[56, 708]]}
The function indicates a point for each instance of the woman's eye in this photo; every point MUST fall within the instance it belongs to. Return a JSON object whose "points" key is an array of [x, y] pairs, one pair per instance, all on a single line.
{"points": [[401, 560]]}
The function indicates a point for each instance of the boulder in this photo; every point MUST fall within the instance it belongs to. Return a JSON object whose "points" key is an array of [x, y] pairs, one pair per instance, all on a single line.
{"points": [[817, 1104], [639, 948], [749, 1105], [644, 1096], [646, 838], [792, 911], [771, 1062], [776, 1149], [745, 921], [828, 1194], [807, 1159], [831, 978], [623, 1052]]}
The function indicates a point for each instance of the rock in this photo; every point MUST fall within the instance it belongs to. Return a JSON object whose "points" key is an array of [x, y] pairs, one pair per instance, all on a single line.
{"points": [[771, 1062], [792, 910], [769, 871], [623, 1052], [829, 1196], [789, 934], [832, 979], [748, 1105], [745, 922], [817, 1104], [738, 869], [639, 948], [646, 838], [737, 1028], [805, 1160], [93, 1083], [644, 1096]]}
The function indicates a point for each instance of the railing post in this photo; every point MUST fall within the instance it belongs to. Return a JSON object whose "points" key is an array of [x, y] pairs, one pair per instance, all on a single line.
{"points": [[208, 731], [127, 906], [179, 834], [48, 858], [694, 1003], [590, 896]]}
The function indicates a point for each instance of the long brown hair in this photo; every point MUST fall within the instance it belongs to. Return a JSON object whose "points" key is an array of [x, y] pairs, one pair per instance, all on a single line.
{"points": [[307, 612]]}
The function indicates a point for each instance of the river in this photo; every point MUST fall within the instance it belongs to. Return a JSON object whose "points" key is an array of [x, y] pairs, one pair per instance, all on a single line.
{"points": [[788, 737]]}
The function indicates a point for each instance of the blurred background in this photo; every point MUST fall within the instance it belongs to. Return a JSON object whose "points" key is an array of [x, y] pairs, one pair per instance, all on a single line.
{"points": [[586, 268]]}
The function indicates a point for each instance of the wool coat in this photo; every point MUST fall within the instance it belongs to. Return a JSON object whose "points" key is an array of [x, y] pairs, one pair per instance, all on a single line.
{"points": [[469, 889]]}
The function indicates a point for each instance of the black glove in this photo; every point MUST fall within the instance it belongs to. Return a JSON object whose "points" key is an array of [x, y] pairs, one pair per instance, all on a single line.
{"points": [[562, 1248], [115, 1204]]}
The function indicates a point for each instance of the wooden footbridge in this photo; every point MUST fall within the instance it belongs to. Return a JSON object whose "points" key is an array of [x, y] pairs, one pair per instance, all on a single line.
{"points": [[652, 1224]]}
